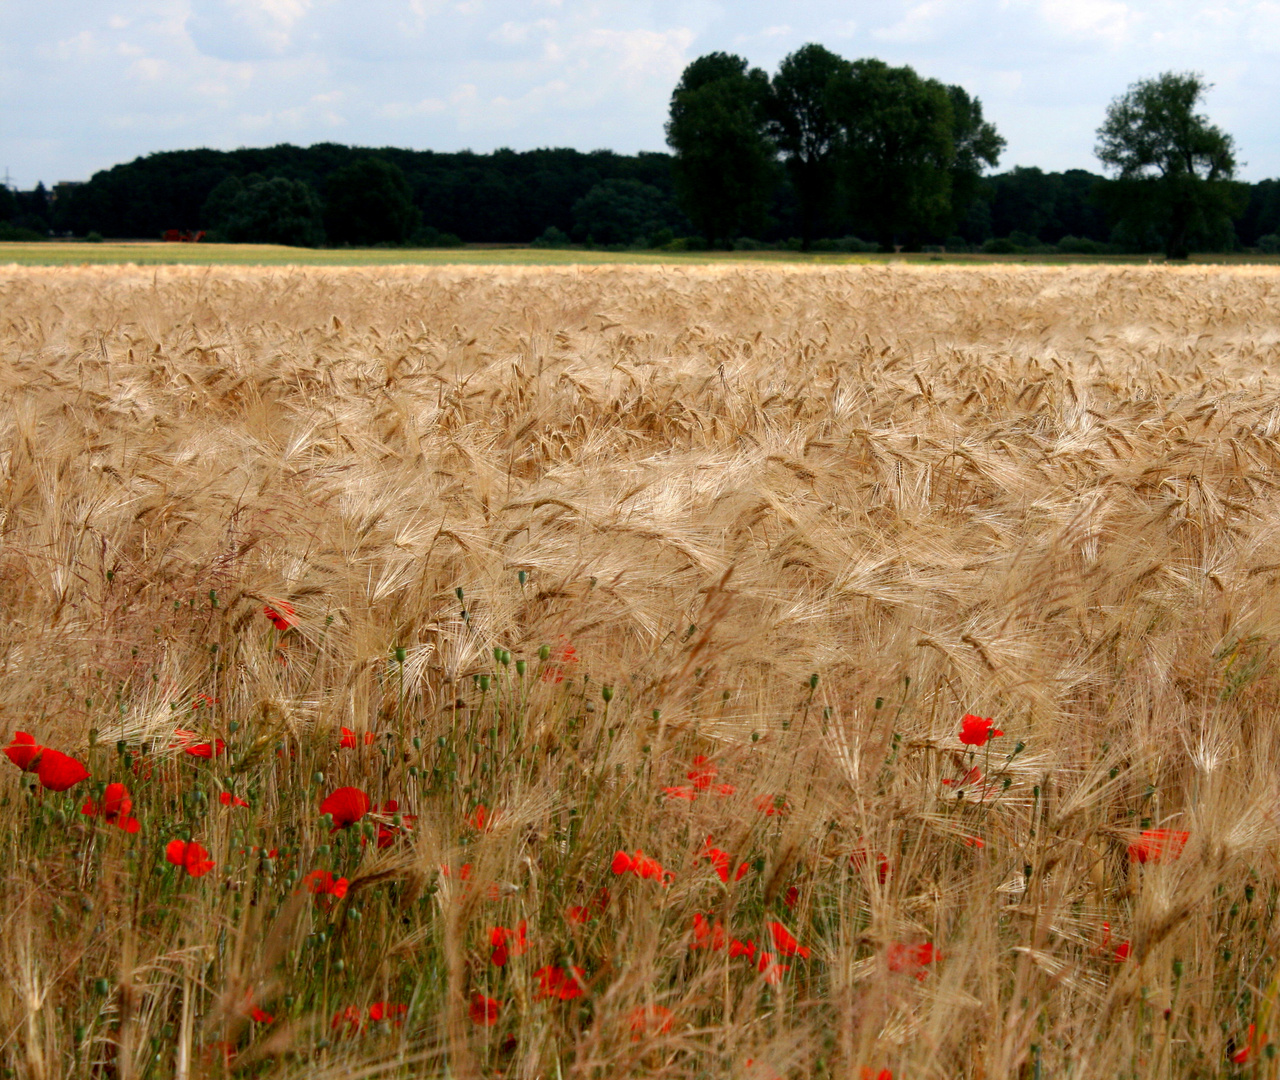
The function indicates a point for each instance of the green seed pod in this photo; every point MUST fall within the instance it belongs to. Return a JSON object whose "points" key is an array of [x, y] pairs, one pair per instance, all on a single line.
{"points": [[484, 684], [606, 692], [318, 778], [544, 652], [101, 986], [813, 681], [523, 577], [339, 966], [458, 592], [521, 667], [400, 654]]}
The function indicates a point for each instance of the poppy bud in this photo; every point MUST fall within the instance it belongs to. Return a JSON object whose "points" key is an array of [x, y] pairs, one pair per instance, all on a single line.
{"points": [[522, 576], [813, 681], [544, 652], [322, 849], [318, 778], [327, 821], [606, 692], [234, 726], [400, 654], [354, 916], [520, 667], [484, 684], [339, 966], [458, 592], [101, 986], [505, 658]]}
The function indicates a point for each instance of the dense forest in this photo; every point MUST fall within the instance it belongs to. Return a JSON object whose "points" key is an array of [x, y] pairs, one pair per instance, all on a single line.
{"points": [[827, 154]]}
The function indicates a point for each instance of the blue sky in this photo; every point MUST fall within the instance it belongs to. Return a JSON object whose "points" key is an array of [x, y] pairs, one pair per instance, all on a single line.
{"points": [[85, 84]]}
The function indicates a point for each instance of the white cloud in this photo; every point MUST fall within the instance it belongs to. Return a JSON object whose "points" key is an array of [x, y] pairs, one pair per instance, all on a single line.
{"points": [[639, 54], [1108, 20], [920, 23]]}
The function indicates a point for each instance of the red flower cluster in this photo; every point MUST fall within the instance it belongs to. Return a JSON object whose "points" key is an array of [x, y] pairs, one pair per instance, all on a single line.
{"points": [[351, 1020], [1246, 1052], [975, 731], [324, 885], [862, 857], [785, 943], [641, 865], [347, 805], [483, 819], [769, 805], [581, 913], [499, 936], [114, 808], [563, 654], [55, 770], [655, 1020], [227, 799], [720, 860], [280, 612], [562, 983], [189, 855], [708, 935], [349, 738], [1158, 845], [909, 959], [484, 1010]]}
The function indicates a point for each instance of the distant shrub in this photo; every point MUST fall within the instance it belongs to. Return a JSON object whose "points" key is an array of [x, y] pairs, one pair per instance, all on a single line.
{"points": [[956, 244], [746, 243], [1080, 245], [10, 232], [93, 238], [1269, 244], [1000, 246], [552, 238], [428, 236], [844, 243], [661, 238]]}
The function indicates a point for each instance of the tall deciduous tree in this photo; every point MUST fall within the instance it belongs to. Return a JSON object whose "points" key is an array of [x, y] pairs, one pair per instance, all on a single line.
{"points": [[977, 146], [1173, 168], [806, 126], [724, 167], [899, 150], [369, 202]]}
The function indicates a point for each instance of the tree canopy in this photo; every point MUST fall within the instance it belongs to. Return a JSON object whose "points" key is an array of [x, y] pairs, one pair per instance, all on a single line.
{"points": [[1173, 168], [724, 168]]}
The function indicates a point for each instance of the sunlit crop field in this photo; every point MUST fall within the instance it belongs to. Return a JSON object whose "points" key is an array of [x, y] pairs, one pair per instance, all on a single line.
{"points": [[599, 672]]}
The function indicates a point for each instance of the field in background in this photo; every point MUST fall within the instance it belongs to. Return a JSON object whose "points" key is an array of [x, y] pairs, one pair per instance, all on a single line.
{"points": [[704, 563], [73, 253]]}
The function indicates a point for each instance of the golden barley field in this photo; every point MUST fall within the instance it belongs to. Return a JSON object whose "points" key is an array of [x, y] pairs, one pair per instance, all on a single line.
{"points": [[553, 673]]}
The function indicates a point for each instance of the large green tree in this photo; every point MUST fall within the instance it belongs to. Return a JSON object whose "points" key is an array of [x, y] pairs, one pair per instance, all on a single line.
{"points": [[899, 151], [1173, 169], [258, 210], [977, 146], [806, 126], [369, 202], [724, 168]]}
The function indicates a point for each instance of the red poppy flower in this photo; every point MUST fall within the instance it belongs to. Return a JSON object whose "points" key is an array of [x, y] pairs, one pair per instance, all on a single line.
{"points": [[723, 789], [707, 935], [349, 738], [720, 860], [862, 857], [390, 832], [1122, 952], [785, 943], [681, 792], [564, 654], [384, 1010], [584, 913], [702, 774], [323, 883], [24, 751], [973, 841], [562, 983], [868, 1074], [742, 948], [641, 865], [975, 731], [58, 771], [792, 897], [114, 808], [351, 1018], [1245, 1053], [483, 819], [769, 805], [1158, 845], [227, 799], [499, 936], [971, 777], [280, 612], [192, 857], [622, 863], [347, 805], [484, 1010], [911, 959], [772, 972], [206, 750], [260, 1017], [655, 1020], [201, 701]]}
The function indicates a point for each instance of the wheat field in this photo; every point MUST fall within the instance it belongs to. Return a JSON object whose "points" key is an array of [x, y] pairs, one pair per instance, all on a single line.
{"points": [[644, 610]]}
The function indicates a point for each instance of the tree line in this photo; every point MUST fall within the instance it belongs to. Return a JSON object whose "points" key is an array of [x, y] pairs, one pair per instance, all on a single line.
{"points": [[826, 154]]}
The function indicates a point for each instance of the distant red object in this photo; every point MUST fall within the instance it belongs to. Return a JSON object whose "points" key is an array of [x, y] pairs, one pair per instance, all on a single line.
{"points": [[175, 236]]}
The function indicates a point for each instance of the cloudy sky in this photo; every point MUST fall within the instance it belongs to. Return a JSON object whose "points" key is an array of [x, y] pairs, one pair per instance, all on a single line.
{"points": [[85, 84]]}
